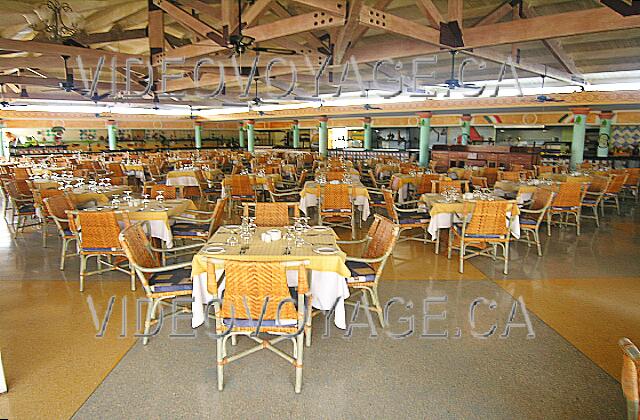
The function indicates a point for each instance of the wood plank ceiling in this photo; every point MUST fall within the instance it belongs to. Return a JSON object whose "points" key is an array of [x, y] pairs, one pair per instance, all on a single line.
{"points": [[567, 37]]}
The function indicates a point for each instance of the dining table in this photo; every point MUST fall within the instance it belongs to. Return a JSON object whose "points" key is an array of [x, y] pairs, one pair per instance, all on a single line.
{"points": [[445, 212], [328, 270]]}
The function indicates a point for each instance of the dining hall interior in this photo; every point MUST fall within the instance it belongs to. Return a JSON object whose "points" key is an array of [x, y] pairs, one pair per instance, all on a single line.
{"points": [[324, 208]]}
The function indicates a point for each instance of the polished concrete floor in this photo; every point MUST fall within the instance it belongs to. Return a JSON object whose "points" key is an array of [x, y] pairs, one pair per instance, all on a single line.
{"points": [[580, 298]]}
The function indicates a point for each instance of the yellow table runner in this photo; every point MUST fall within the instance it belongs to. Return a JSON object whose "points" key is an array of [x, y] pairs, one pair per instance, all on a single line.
{"points": [[311, 187], [436, 205]]}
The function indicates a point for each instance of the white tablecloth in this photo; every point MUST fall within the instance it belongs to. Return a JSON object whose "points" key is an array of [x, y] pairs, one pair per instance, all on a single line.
{"points": [[325, 288], [311, 200], [443, 221], [185, 181]]}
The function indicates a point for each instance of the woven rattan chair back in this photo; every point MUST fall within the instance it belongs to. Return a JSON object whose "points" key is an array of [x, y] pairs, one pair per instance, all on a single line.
{"points": [[383, 233], [137, 247], [617, 182], [271, 214], [303, 178], [250, 283], [168, 191], [599, 184], [491, 174], [241, 186], [21, 173], [509, 176], [425, 183], [479, 182], [543, 169], [570, 194], [99, 230], [116, 169], [387, 194], [335, 175], [630, 378], [541, 199], [336, 197], [441, 186], [218, 214], [633, 178], [488, 218], [58, 206]]}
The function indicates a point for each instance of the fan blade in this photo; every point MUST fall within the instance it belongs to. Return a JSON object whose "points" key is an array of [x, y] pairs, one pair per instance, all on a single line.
{"points": [[270, 50]]}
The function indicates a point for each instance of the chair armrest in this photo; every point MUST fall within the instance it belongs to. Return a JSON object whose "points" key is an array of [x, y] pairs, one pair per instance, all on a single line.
{"points": [[192, 221], [199, 212], [532, 211], [366, 260], [178, 248], [356, 241], [163, 269], [288, 194]]}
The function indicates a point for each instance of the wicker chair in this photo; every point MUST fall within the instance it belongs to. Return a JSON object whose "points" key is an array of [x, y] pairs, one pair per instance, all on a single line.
{"points": [[201, 226], [532, 217], [479, 182], [57, 208], [336, 206], [632, 186], [367, 269], [278, 196], [567, 202], [256, 296], [408, 218], [160, 283], [272, 214], [22, 207], [488, 228], [98, 237], [38, 197], [335, 175], [630, 379], [458, 185], [612, 192], [156, 174], [513, 176], [169, 192], [425, 183], [491, 174], [542, 169], [241, 190], [594, 195]]}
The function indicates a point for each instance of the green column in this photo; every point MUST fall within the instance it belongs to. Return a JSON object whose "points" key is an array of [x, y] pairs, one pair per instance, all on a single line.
{"points": [[2, 151], [604, 138], [296, 134], [577, 142], [323, 136], [465, 124], [241, 135], [112, 131], [251, 139], [368, 132], [198, 133], [425, 132]]}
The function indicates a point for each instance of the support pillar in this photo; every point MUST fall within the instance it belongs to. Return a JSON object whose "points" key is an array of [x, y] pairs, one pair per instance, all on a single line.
{"points": [[296, 134], [424, 121], [368, 132], [465, 124], [241, 135], [112, 132], [3, 152], [604, 138], [577, 142], [323, 136], [251, 139], [198, 134]]}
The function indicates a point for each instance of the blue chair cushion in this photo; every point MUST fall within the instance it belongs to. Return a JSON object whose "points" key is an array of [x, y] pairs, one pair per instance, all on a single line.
{"points": [[68, 232], [526, 221], [360, 272], [253, 323], [27, 208], [242, 196], [564, 208], [336, 210], [211, 190], [412, 218], [171, 281], [588, 201], [377, 201], [100, 249], [190, 229]]}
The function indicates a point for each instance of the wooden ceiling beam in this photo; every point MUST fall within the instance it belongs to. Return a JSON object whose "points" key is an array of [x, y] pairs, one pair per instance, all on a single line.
{"points": [[106, 18], [375, 18], [431, 12], [336, 7], [229, 15], [311, 40], [253, 12], [554, 46], [211, 10], [111, 36], [191, 22], [294, 25], [57, 49], [454, 8], [344, 39], [48, 82], [496, 15]]}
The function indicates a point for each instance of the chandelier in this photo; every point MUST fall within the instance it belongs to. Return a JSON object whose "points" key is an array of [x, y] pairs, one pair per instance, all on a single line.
{"points": [[55, 20]]}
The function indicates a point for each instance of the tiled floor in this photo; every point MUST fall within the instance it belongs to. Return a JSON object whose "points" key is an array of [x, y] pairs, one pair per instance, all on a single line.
{"points": [[581, 297]]}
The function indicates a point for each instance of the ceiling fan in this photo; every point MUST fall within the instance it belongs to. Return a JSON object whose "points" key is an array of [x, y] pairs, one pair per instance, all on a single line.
{"points": [[454, 83], [369, 107], [239, 43], [3, 102], [68, 84], [542, 98]]}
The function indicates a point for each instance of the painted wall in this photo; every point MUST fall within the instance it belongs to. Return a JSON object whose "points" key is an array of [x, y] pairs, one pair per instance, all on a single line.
{"points": [[626, 136]]}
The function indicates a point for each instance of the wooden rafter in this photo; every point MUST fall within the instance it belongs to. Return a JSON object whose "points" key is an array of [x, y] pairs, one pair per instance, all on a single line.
{"points": [[282, 13], [554, 46], [191, 22], [431, 12], [375, 18], [57, 49], [345, 35], [211, 10], [454, 8], [496, 15], [111, 36], [336, 7], [253, 12]]}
